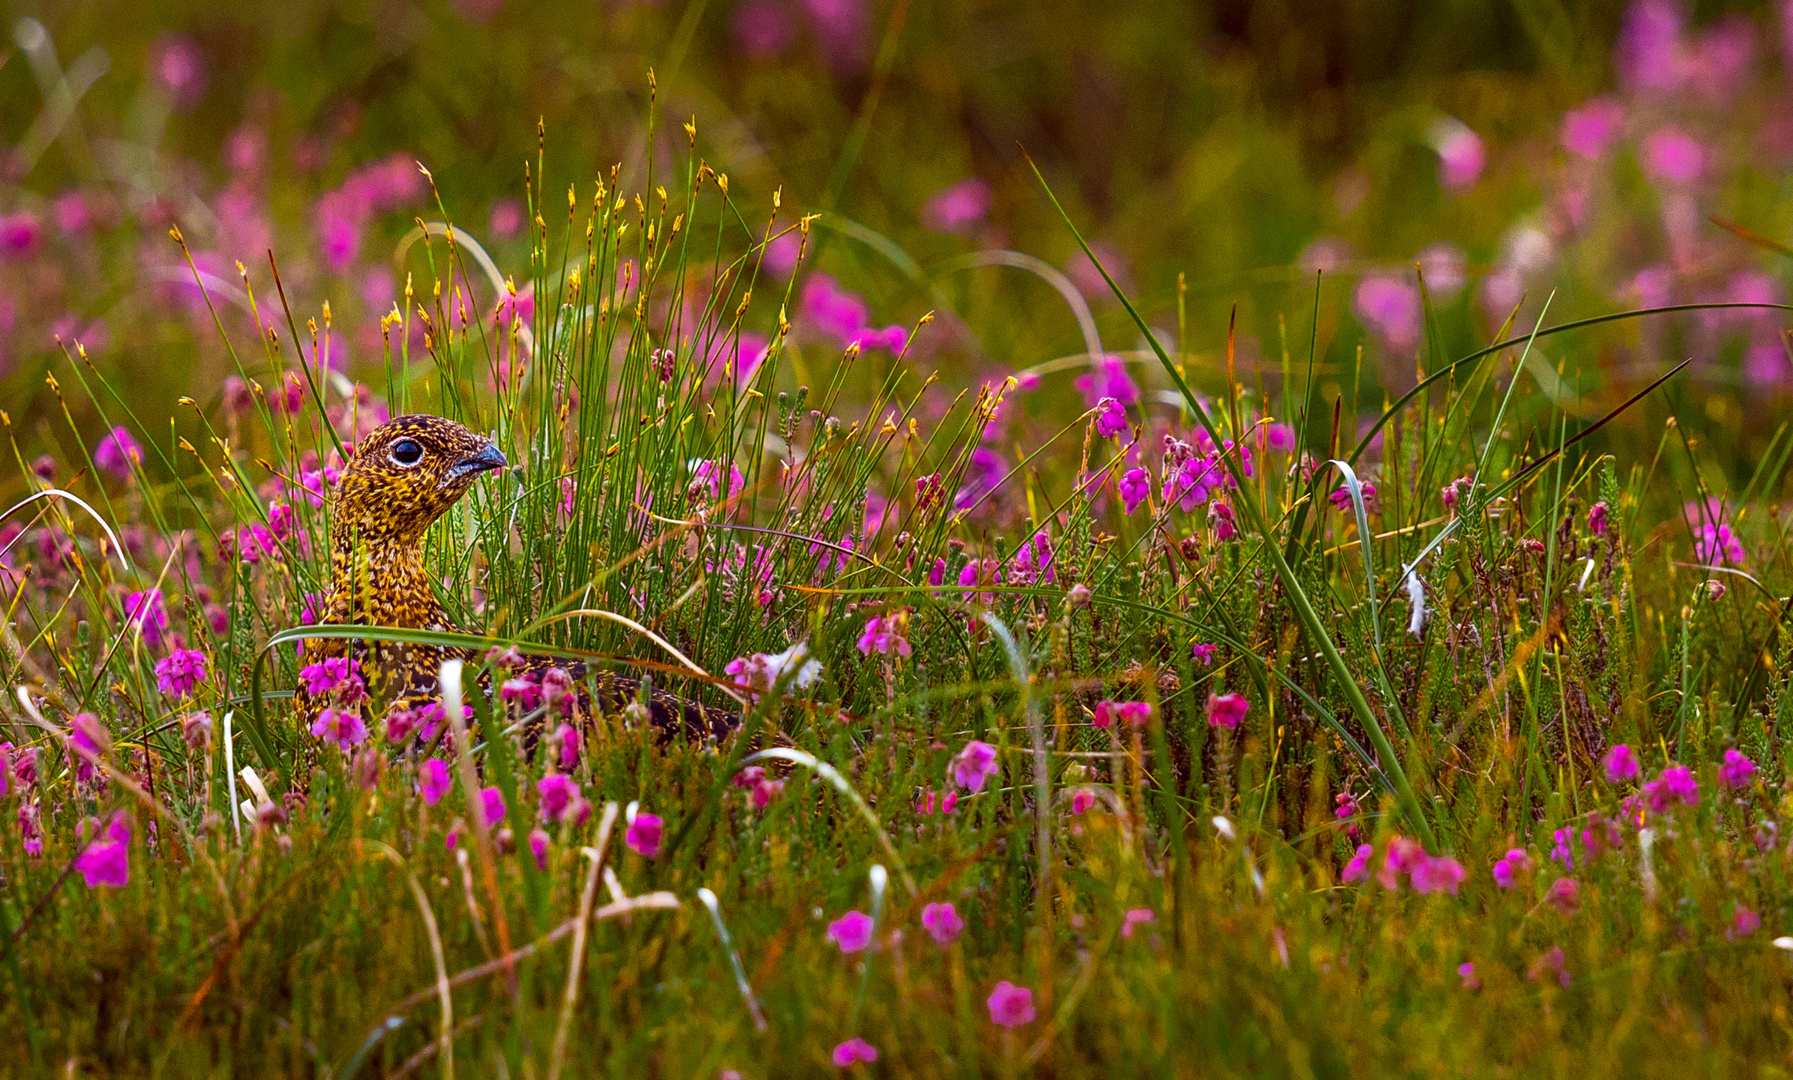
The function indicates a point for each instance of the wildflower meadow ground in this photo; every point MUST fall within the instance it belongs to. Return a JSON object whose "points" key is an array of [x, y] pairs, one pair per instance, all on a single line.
{"points": [[1372, 665]]}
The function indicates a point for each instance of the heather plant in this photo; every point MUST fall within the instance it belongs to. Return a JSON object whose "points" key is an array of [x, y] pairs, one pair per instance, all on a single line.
{"points": [[1240, 719]]}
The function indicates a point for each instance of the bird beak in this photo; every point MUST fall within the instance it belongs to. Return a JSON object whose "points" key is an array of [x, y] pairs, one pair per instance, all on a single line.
{"points": [[488, 458]]}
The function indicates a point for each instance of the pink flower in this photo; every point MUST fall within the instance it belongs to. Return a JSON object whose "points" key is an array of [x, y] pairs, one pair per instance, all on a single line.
{"points": [[1676, 783], [1402, 857], [1111, 418], [1227, 710], [884, 635], [1437, 874], [1717, 544], [1034, 561], [1589, 130], [174, 62], [1551, 961], [974, 765], [942, 923], [1390, 308], [20, 233], [108, 862], [523, 691], [852, 931], [1204, 653], [325, 676], [1135, 488], [538, 847], [491, 800], [1341, 498], [1737, 770], [570, 741], [1744, 923], [343, 727], [1107, 378], [559, 792], [1672, 154], [645, 834], [1134, 712], [1564, 895], [116, 452], [1136, 917], [1011, 1006], [178, 673], [957, 208], [433, 781], [1081, 800], [853, 1051], [1515, 862], [507, 218], [1466, 972], [1620, 763], [1460, 153]]}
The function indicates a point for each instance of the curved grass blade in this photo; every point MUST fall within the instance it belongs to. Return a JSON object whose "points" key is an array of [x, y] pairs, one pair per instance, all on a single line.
{"points": [[845, 787]]}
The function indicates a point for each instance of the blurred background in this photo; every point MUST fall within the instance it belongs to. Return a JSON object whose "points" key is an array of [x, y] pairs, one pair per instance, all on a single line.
{"points": [[1519, 152]]}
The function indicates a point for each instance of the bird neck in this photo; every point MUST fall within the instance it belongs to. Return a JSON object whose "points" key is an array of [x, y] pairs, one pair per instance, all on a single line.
{"points": [[380, 580]]}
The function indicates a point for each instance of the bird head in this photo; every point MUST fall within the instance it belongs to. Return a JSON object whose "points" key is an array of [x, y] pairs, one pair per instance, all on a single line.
{"points": [[405, 474]]}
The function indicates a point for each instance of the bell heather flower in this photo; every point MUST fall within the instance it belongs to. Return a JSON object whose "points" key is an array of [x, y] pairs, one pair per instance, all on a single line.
{"points": [[1011, 1006], [327, 675], [1437, 874], [1220, 518], [645, 834], [1081, 800], [108, 862], [1599, 518], [1034, 561], [558, 792], [341, 726], [884, 634], [1737, 770], [1227, 710], [974, 765], [538, 847], [1562, 851], [1402, 857], [145, 613], [1135, 488], [1515, 862], [942, 923], [1676, 783], [1111, 418], [1551, 961], [491, 800], [1717, 544], [853, 1051], [1744, 923], [852, 931], [1620, 763], [180, 671], [196, 730], [1466, 972], [1136, 917], [524, 691], [1135, 712], [116, 452], [958, 207], [1564, 895], [1204, 653], [570, 741], [433, 781], [1341, 498]]}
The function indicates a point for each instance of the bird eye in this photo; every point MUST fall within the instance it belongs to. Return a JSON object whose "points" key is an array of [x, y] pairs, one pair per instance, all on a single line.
{"points": [[406, 453]]}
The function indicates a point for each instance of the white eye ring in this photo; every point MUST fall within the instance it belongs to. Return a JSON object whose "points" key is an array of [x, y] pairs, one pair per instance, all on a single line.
{"points": [[409, 446]]}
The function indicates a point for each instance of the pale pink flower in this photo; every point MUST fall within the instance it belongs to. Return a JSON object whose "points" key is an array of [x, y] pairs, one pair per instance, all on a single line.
{"points": [[1737, 771], [1136, 917], [942, 922], [1011, 1006], [852, 932], [957, 208], [974, 765], [433, 781]]}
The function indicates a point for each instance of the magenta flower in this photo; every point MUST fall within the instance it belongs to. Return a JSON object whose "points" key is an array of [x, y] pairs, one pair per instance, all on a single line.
{"points": [[1135, 488], [1227, 710], [1107, 378], [1552, 961], [146, 614], [854, 1051], [1081, 800], [325, 676], [90, 738], [1466, 972], [1563, 851], [1034, 561], [957, 208], [343, 727], [1673, 155], [852, 931], [1716, 545], [196, 730], [570, 742], [1011, 1006], [108, 862], [1564, 895], [1620, 763], [1737, 770], [884, 635], [1111, 418], [433, 781], [178, 673], [1402, 857], [1744, 923], [1204, 653], [116, 453], [1136, 917], [19, 235], [942, 923], [1515, 862], [1341, 498], [1675, 784], [1390, 308], [1134, 712], [1591, 129], [538, 847], [1461, 155], [1437, 874], [645, 834], [523, 691], [491, 800], [974, 765], [558, 792]]}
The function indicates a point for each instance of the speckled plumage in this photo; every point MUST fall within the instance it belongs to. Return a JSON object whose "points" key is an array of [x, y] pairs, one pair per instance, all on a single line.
{"points": [[381, 507]]}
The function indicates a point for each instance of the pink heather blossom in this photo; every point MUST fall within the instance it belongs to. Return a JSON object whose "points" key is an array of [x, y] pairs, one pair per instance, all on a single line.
{"points": [[1444, 269], [343, 727], [146, 614], [1466, 972], [974, 765], [942, 923], [1135, 488], [1551, 961], [108, 862], [1563, 850], [331, 673], [91, 740], [1599, 518], [1588, 131], [452, 839], [1204, 653], [117, 451], [1390, 308], [538, 847], [645, 834], [1514, 863], [1107, 378], [1341, 498], [854, 1051], [1743, 924], [1717, 545], [884, 635], [1461, 155], [1227, 710], [1220, 518], [1673, 155], [1136, 917], [433, 781], [1737, 771], [559, 792], [937, 574], [1649, 52], [570, 742], [957, 208], [1600, 835], [1564, 895], [1033, 563], [506, 219], [1674, 784], [1437, 874], [1359, 867], [1081, 800], [523, 691], [20, 233], [491, 800], [178, 673], [852, 931], [1111, 418], [1620, 763], [174, 62], [709, 477], [196, 730], [1011, 1006], [1133, 712], [1402, 856]]}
